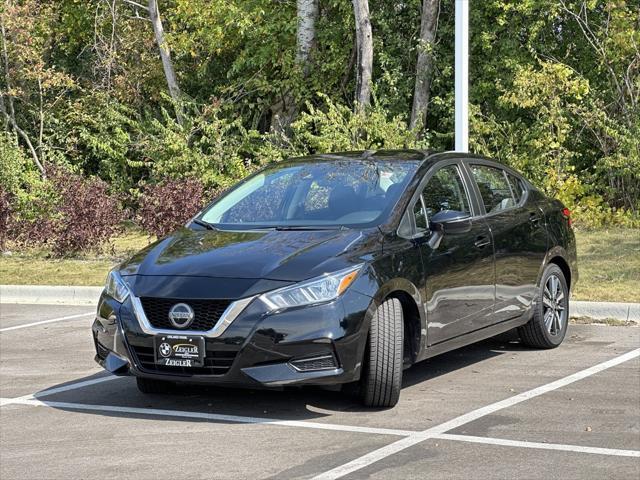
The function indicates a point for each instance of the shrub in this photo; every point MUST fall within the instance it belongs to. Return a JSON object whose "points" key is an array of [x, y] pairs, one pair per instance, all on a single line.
{"points": [[206, 145], [335, 127], [166, 206], [87, 216], [73, 214]]}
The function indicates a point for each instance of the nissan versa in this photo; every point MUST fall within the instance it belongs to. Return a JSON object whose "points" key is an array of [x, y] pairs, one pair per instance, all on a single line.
{"points": [[341, 269]]}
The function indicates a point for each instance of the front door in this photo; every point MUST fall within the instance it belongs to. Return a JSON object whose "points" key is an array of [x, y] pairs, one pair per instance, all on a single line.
{"points": [[459, 271]]}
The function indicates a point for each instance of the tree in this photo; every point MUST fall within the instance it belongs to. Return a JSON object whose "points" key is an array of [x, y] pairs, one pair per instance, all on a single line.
{"points": [[424, 67], [306, 34], [285, 111], [31, 86], [165, 56], [364, 46]]}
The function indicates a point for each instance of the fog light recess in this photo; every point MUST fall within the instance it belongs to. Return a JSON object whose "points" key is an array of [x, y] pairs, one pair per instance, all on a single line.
{"points": [[313, 364]]}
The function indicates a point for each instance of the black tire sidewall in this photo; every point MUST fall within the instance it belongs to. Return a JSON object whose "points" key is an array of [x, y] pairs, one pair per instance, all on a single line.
{"points": [[370, 377]]}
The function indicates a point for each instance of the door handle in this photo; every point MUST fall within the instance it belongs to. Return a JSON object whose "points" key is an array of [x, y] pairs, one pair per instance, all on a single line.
{"points": [[482, 241]]}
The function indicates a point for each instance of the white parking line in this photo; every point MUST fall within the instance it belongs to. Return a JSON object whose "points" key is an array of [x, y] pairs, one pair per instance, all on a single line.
{"points": [[216, 417], [66, 388], [539, 445], [52, 391], [416, 438], [33, 324]]}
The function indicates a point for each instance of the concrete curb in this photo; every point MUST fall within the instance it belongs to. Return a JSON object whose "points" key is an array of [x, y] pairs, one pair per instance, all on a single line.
{"points": [[49, 295], [60, 295], [602, 310]]}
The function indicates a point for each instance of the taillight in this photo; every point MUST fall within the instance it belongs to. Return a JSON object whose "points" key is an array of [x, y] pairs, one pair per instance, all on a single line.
{"points": [[566, 213]]}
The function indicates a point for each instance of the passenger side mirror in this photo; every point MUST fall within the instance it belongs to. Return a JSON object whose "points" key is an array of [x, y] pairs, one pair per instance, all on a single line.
{"points": [[450, 222]]}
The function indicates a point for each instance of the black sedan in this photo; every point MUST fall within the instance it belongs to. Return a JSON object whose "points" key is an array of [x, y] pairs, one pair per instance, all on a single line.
{"points": [[342, 269]]}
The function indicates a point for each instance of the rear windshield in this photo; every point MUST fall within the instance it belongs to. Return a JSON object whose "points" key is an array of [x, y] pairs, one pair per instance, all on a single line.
{"points": [[334, 193]]}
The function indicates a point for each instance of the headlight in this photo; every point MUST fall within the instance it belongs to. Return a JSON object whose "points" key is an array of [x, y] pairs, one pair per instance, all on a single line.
{"points": [[116, 287], [317, 290]]}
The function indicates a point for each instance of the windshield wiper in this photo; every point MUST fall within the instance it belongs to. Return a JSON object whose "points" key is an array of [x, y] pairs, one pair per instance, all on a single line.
{"points": [[204, 224], [308, 227]]}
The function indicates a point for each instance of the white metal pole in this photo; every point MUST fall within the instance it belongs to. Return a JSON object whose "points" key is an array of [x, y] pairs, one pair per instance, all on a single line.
{"points": [[462, 76]]}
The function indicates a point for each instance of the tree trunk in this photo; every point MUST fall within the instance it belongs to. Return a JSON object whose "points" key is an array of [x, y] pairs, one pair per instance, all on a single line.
{"points": [[284, 112], [424, 67], [165, 55], [364, 42], [306, 36], [10, 116], [5, 61], [21, 133]]}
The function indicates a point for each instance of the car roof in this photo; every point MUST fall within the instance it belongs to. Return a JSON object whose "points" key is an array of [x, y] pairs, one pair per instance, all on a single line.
{"points": [[425, 157]]}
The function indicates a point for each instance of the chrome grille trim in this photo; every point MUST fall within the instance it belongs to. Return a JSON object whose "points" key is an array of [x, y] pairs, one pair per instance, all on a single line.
{"points": [[226, 319]]}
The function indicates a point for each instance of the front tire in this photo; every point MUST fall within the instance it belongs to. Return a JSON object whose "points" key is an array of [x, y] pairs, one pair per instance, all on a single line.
{"points": [[382, 376], [153, 386], [548, 326]]}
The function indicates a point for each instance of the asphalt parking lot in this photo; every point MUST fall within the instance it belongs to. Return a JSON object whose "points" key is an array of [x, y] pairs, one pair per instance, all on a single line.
{"points": [[491, 410]]}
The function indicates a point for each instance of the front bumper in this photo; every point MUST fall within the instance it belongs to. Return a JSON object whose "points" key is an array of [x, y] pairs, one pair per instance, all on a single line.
{"points": [[255, 349]]}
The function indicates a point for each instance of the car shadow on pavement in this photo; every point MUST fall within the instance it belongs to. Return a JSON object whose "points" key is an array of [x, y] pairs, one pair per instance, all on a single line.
{"points": [[285, 404]]}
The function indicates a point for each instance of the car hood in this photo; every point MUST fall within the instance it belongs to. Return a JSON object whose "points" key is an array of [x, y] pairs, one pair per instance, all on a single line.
{"points": [[273, 255]]}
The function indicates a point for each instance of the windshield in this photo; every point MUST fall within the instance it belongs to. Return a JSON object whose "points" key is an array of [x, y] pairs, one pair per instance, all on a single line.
{"points": [[326, 193]]}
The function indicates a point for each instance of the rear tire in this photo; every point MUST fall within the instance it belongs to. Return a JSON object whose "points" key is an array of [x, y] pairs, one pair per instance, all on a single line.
{"points": [[153, 386], [382, 375], [548, 326]]}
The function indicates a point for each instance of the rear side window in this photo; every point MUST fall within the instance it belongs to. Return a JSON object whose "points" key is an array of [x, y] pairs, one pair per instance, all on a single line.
{"points": [[494, 188]]}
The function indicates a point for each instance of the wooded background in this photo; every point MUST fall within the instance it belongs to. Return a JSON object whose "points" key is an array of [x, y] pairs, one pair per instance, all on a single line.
{"points": [[132, 95]]}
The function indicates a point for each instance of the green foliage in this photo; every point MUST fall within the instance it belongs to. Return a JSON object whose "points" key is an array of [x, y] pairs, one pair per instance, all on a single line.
{"points": [[336, 128], [98, 135], [32, 197], [207, 146], [555, 89]]}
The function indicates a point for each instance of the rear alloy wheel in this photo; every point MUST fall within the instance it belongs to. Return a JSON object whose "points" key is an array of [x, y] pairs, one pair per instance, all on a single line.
{"points": [[548, 326], [382, 375], [151, 385]]}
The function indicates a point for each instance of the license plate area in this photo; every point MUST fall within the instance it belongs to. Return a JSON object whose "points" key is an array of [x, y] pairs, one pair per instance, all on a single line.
{"points": [[179, 351]]}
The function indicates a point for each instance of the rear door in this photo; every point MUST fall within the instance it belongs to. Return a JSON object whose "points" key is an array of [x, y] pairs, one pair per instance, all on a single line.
{"points": [[459, 271], [519, 236]]}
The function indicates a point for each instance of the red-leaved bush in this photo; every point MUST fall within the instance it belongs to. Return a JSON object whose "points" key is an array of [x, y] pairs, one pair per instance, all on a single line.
{"points": [[79, 215], [168, 205], [87, 216]]}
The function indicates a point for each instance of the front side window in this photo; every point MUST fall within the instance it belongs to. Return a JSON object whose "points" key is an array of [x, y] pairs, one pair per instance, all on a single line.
{"points": [[323, 193], [494, 188], [445, 191]]}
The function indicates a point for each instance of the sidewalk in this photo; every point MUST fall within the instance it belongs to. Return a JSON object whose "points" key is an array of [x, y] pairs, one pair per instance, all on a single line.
{"points": [[58, 295]]}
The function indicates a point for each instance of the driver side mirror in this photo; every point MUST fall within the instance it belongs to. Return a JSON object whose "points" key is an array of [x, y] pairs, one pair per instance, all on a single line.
{"points": [[450, 222]]}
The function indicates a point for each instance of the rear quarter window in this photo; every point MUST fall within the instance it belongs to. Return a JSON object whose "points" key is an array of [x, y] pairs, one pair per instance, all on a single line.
{"points": [[517, 187]]}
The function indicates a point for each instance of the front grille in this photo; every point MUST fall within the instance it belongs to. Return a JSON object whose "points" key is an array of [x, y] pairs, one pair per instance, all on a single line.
{"points": [[206, 312], [216, 362]]}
